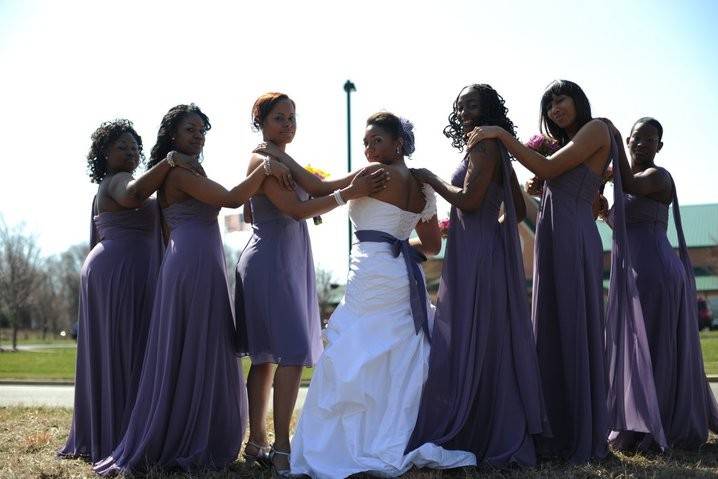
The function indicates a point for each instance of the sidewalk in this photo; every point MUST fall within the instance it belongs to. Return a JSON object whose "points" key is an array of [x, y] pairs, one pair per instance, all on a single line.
{"points": [[62, 395]]}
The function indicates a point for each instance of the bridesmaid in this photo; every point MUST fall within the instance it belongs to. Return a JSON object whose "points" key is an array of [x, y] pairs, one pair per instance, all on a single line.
{"points": [[190, 410], [567, 309], [483, 392], [667, 292], [116, 289], [283, 329]]}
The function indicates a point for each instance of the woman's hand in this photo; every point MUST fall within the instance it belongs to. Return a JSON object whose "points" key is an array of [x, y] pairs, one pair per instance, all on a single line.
{"points": [[366, 183], [534, 186], [423, 175], [600, 208], [188, 162], [268, 149], [481, 133], [280, 172]]}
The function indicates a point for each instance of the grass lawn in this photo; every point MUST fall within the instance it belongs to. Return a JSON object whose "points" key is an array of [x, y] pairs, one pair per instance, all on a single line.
{"points": [[59, 363], [709, 345], [29, 438]]}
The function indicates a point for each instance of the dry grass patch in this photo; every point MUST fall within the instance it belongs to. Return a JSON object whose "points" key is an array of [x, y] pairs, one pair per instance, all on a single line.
{"points": [[30, 437]]}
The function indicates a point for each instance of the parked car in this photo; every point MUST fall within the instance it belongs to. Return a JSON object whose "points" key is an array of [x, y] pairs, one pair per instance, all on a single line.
{"points": [[705, 315]]}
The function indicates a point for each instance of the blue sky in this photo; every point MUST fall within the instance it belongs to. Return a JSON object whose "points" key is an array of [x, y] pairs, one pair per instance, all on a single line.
{"points": [[67, 66]]}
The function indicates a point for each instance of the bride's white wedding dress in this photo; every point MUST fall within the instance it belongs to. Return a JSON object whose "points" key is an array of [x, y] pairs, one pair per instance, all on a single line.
{"points": [[364, 396]]}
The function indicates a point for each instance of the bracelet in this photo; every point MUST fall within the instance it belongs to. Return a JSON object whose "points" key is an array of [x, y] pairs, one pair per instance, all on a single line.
{"points": [[171, 160], [338, 198], [267, 167]]}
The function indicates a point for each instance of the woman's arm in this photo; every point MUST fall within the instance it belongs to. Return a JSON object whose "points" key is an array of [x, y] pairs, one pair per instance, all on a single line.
{"points": [[211, 192], [364, 184], [310, 183], [590, 139], [482, 162], [131, 193], [429, 240]]}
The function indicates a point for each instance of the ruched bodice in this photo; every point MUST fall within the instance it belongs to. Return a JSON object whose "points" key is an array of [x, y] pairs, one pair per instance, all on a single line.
{"points": [[264, 211], [580, 183], [127, 223], [190, 211], [640, 209]]}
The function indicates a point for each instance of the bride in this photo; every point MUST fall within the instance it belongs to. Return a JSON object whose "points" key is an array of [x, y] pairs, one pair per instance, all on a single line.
{"points": [[363, 400]]}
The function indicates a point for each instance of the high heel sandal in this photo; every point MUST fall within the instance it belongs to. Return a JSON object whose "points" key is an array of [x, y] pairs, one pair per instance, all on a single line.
{"points": [[281, 473], [261, 458]]}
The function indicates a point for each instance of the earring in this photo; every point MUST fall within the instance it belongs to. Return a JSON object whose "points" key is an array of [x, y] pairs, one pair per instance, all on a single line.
{"points": [[397, 150]]}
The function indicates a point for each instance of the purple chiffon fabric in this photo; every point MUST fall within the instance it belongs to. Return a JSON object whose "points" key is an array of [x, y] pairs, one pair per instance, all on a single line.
{"points": [[191, 407], [117, 286], [483, 392]]}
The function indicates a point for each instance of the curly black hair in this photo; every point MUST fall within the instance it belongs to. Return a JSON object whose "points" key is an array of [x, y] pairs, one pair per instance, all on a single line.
{"points": [[493, 112], [102, 139], [168, 127]]}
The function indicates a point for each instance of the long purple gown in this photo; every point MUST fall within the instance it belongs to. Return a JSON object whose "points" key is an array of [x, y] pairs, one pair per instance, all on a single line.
{"points": [[275, 297], [117, 286], [667, 292], [483, 392], [568, 317], [191, 407]]}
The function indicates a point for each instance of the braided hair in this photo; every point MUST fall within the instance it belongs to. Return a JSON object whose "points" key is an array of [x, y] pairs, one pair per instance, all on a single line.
{"points": [[493, 112], [168, 127], [102, 140]]}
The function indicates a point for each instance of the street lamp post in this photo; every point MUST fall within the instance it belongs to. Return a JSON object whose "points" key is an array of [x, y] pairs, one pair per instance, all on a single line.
{"points": [[349, 87]]}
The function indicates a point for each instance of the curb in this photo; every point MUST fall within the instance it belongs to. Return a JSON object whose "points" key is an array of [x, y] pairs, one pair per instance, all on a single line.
{"points": [[65, 382], [36, 382]]}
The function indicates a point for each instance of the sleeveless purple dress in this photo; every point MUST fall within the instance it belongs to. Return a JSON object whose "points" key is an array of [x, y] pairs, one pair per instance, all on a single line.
{"points": [[675, 374], [483, 391], [275, 296], [568, 317], [191, 407], [117, 286]]}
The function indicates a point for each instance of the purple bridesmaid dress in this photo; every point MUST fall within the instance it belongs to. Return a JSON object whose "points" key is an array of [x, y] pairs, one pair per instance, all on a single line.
{"points": [[191, 407], [275, 296], [117, 286], [674, 376], [568, 317], [483, 392]]}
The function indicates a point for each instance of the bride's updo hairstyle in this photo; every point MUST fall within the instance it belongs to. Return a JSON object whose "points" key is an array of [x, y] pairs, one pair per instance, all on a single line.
{"points": [[397, 127]]}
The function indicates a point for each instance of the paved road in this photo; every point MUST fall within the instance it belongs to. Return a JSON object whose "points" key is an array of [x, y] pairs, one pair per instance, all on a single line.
{"points": [[62, 396]]}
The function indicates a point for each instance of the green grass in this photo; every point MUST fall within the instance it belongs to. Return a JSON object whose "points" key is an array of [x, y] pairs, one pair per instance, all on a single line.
{"points": [[709, 345], [53, 364], [59, 364], [30, 437]]}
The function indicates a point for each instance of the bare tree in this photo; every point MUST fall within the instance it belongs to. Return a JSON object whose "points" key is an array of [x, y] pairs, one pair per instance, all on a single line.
{"points": [[19, 265], [46, 302], [66, 271], [324, 290]]}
